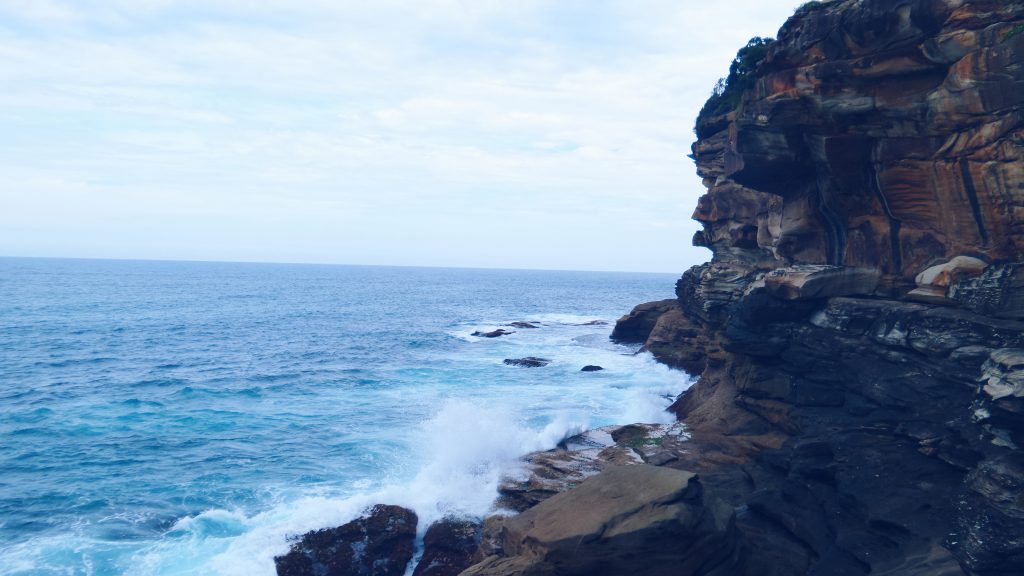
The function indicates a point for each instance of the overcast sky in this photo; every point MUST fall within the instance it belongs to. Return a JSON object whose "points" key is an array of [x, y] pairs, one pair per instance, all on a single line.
{"points": [[510, 134]]}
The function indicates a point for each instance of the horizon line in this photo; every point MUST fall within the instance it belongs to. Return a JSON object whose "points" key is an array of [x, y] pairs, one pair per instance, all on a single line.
{"points": [[267, 262]]}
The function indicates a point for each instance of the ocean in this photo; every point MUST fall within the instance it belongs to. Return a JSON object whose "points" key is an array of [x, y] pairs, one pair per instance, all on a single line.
{"points": [[164, 418]]}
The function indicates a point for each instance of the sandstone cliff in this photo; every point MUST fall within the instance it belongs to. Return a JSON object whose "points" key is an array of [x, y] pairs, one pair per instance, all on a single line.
{"points": [[859, 332]]}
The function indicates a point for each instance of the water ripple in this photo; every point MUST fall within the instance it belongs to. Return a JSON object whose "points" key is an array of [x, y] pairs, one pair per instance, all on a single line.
{"points": [[154, 412]]}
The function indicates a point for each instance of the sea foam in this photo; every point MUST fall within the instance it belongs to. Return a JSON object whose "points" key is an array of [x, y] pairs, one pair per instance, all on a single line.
{"points": [[463, 452], [467, 448]]}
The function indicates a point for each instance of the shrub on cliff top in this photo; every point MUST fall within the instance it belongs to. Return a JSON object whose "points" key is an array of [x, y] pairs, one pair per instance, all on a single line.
{"points": [[725, 97], [809, 6]]}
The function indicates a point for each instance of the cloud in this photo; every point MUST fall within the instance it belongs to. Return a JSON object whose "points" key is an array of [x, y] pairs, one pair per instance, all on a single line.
{"points": [[537, 120]]}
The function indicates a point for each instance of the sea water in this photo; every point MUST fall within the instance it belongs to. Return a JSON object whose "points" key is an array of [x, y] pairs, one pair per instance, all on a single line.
{"points": [[189, 418]]}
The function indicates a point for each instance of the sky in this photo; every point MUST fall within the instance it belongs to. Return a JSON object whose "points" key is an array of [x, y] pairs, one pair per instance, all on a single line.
{"points": [[544, 134]]}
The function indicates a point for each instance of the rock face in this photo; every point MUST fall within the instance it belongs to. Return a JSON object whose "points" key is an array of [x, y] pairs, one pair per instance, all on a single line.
{"points": [[858, 333], [888, 133], [378, 544], [636, 326]]}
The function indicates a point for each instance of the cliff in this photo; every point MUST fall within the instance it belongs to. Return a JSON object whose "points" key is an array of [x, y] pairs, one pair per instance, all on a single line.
{"points": [[859, 331]]}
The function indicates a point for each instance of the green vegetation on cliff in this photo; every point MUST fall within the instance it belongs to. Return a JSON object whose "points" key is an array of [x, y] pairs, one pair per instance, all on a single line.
{"points": [[809, 6], [725, 96]]}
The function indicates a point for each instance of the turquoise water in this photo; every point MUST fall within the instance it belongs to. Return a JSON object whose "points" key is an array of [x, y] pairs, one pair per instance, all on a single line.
{"points": [[185, 418]]}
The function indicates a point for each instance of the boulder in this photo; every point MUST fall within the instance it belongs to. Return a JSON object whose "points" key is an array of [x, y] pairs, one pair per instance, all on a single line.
{"points": [[591, 368], [934, 283], [528, 362], [945, 274], [378, 544], [448, 547]]}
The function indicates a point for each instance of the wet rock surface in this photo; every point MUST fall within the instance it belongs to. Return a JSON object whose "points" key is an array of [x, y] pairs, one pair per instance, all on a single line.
{"points": [[378, 544], [591, 368], [579, 457], [448, 547]]}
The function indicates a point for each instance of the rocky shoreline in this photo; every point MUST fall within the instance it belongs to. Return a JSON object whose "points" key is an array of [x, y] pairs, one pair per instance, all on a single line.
{"points": [[859, 331]]}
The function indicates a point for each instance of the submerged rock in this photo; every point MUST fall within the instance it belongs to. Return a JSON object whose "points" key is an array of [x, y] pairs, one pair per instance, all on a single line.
{"points": [[378, 544], [524, 325], [493, 333], [528, 362], [591, 368]]}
